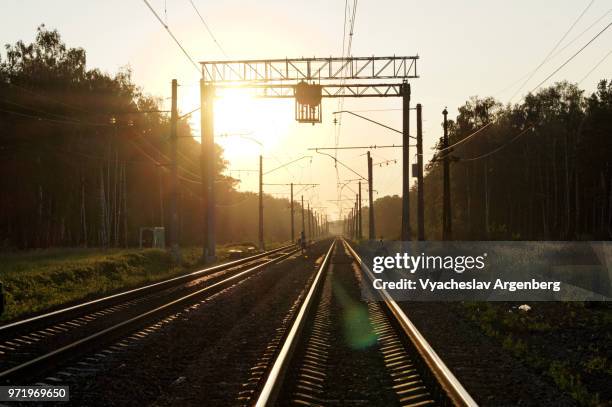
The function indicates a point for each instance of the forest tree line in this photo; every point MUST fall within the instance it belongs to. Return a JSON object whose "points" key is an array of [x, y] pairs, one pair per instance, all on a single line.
{"points": [[536, 170], [85, 159]]}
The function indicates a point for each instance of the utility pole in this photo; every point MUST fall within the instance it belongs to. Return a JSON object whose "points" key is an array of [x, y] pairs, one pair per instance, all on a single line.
{"points": [[420, 181], [356, 216], [261, 227], [446, 211], [405, 235], [309, 222], [313, 224], [326, 226], [303, 226], [207, 164], [360, 223], [174, 220], [292, 225], [348, 225], [371, 228]]}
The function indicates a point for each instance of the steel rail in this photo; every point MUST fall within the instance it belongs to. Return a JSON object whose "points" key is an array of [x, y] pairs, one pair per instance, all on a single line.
{"points": [[447, 380], [274, 381], [53, 316], [41, 363]]}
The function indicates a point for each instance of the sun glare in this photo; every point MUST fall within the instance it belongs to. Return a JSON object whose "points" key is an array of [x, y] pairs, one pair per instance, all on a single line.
{"points": [[244, 124]]}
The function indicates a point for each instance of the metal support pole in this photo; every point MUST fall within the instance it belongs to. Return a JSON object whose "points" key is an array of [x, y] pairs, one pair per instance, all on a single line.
{"points": [[360, 220], [261, 226], [207, 164], [420, 175], [292, 224], [356, 216], [348, 224], [309, 223], [371, 227], [446, 215], [174, 217], [303, 225], [405, 235]]}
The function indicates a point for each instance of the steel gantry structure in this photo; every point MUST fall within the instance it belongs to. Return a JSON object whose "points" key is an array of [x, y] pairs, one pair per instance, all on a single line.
{"points": [[308, 80]]}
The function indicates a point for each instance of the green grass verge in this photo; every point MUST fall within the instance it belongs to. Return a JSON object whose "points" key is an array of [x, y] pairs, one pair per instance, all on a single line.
{"points": [[568, 342], [42, 280]]}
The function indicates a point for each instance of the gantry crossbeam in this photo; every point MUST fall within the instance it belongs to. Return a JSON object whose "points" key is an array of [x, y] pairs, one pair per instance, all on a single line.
{"points": [[309, 69], [282, 91]]}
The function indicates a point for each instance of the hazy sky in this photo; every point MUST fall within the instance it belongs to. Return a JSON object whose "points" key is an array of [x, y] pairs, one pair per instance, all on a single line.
{"points": [[466, 48]]}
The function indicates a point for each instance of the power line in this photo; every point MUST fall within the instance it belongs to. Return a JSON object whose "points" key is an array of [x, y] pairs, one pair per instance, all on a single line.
{"points": [[248, 198], [595, 67], [497, 149], [463, 140], [553, 50], [47, 97], [342, 164], [197, 67], [208, 28], [60, 117], [286, 164], [159, 164], [572, 57], [376, 110], [154, 148], [340, 106], [372, 147], [52, 120], [582, 33], [386, 162], [560, 50]]}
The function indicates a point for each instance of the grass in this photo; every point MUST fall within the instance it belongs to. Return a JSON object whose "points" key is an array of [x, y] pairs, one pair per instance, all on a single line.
{"points": [[42, 280], [564, 341]]}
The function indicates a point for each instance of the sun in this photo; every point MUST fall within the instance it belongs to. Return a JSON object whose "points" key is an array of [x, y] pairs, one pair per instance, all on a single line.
{"points": [[245, 126]]}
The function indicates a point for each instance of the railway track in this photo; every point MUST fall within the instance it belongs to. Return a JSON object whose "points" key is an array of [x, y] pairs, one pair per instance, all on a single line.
{"points": [[340, 350], [33, 347]]}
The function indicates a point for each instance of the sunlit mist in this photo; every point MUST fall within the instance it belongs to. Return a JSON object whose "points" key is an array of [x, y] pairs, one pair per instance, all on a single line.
{"points": [[244, 124]]}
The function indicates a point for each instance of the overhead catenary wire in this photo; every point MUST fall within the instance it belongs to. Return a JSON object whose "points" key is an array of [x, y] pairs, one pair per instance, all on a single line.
{"points": [[41, 95], [154, 148], [214, 38], [342, 164], [372, 147], [208, 29], [53, 120], [286, 164], [60, 116], [196, 66]]}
